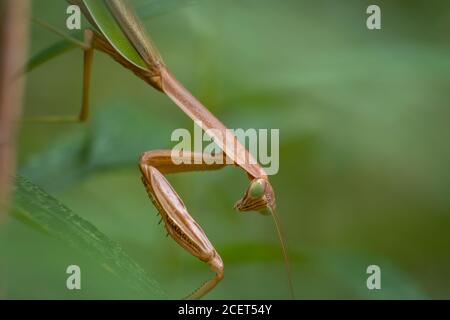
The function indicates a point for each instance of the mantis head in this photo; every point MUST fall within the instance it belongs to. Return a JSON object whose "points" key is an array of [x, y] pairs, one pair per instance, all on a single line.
{"points": [[258, 197]]}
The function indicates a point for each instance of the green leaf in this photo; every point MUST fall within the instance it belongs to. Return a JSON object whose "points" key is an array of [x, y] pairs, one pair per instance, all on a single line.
{"points": [[69, 42], [109, 28], [44, 213], [106, 23], [53, 51]]}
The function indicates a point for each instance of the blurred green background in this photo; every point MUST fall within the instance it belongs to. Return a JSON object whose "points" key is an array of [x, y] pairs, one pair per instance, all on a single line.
{"points": [[364, 151]]}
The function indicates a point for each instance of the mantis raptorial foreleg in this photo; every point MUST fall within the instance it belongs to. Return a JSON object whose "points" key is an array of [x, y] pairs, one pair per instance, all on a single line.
{"points": [[178, 222]]}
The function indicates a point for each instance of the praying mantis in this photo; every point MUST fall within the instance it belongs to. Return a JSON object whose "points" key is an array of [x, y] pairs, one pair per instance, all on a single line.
{"points": [[118, 32]]}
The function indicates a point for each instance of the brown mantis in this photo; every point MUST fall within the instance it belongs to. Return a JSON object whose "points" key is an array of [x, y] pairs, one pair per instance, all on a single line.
{"points": [[119, 34]]}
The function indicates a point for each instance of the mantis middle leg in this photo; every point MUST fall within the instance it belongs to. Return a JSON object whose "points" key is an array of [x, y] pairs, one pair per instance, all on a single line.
{"points": [[88, 48]]}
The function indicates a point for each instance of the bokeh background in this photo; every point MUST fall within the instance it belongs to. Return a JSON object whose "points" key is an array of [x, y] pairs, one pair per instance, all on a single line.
{"points": [[364, 151]]}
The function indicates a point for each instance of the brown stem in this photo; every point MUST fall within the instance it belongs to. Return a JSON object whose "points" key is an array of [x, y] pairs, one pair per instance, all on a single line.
{"points": [[13, 46]]}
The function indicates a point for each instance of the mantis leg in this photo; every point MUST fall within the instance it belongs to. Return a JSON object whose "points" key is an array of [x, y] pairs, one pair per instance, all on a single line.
{"points": [[83, 115], [87, 68], [178, 222]]}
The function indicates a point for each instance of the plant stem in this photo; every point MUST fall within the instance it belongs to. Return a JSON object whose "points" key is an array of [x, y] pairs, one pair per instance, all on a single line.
{"points": [[13, 46]]}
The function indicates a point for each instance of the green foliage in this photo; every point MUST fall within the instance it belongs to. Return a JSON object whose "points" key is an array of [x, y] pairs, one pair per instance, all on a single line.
{"points": [[36, 208], [364, 154], [105, 22], [110, 142], [56, 49]]}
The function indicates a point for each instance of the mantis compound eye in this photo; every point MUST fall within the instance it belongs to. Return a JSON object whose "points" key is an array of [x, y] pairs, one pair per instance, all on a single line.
{"points": [[257, 188], [258, 197]]}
